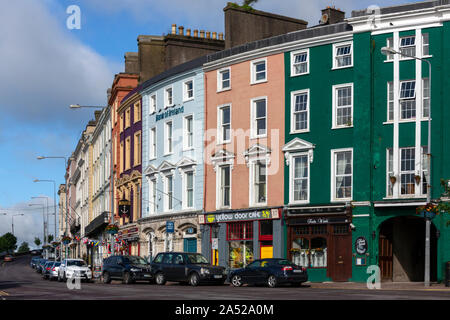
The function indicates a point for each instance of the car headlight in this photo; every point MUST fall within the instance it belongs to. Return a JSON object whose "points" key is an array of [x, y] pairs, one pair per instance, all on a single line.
{"points": [[204, 271], [135, 270]]}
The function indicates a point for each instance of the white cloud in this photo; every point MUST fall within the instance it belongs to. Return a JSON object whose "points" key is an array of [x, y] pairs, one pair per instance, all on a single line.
{"points": [[45, 68]]}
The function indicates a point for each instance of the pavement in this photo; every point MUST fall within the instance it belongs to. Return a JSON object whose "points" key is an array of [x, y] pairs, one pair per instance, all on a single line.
{"points": [[388, 285]]}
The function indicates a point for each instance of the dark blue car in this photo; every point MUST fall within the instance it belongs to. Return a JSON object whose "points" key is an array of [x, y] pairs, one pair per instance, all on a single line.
{"points": [[271, 272]]}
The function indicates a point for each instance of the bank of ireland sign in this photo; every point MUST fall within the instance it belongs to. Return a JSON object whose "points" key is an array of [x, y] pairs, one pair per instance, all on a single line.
{"points": [[242, 216]]}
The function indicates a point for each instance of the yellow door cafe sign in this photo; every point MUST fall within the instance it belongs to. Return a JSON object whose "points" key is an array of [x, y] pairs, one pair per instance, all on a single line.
{"points": [[239, 216]]}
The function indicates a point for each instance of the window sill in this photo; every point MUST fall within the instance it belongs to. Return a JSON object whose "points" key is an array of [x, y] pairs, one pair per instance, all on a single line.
{"points": [[189, 99], [168, 154], [341, 200], [223, 142], [341, 127], [406, 121], [188, 149], [258, 205], [299, 131], [223, 90], [258, 82], [264, 136], [344, 67], [300, 74]]}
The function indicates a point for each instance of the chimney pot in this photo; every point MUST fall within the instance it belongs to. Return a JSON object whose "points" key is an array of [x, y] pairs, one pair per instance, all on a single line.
{"points": [[181, 30], [214, 35], [202, 33], [195, 33], [208, 34], [188, 32], [174, 28], [221, 36]]}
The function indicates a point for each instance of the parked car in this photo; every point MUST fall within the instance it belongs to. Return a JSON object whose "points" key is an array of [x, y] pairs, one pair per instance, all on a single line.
{"points": [[40, 265], [34, 261], [46, 269], [126, 268], [35, 252], [74, 268], [8, 258], [192, 268], [269, 271], [53, 271]]}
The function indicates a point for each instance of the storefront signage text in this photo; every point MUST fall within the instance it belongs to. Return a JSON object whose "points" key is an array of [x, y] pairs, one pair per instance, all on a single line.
{"points": [[317, 221], [169, 113], [240, 216]]}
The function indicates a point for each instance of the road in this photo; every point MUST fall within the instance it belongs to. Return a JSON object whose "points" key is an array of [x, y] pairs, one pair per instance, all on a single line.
{"points": [[19, 282]]}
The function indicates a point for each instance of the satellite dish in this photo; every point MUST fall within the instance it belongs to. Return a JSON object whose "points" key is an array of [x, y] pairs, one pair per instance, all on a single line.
{"points": [[324, 18]]}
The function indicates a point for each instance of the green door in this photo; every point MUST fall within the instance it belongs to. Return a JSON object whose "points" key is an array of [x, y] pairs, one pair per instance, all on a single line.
{"points": [[190, 245]]}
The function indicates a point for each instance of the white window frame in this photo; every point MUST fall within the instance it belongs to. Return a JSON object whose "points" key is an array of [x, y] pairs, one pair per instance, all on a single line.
{"points": [[295, 53], [253, 71], [406, 172], [185, 91], [153, 148], [389, 173], [185, 190], [166, 97], [166, 191], [292, 157], [335, 47], [186, 146], [335, 89], [407, 98], [153, 103], [219, 195], [333, 174], [293, 95], [253, 121], [152, 194], [220, 86], [400, 47], [168, 151], [220, 139], [390, 87], [252, 181]]}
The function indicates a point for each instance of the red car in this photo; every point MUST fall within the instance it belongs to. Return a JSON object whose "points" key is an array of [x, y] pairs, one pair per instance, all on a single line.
{"points": [[8, 258]]}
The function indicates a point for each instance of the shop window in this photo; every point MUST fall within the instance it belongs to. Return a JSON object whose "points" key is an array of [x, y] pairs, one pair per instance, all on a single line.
{"points": [[340, 229], [310, 249], [240, 237], [266, 239]]}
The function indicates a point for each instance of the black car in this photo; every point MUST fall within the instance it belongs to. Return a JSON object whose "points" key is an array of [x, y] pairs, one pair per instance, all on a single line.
{"points": [[34, 261], [126, 268], [192, 268], [269, 271]]}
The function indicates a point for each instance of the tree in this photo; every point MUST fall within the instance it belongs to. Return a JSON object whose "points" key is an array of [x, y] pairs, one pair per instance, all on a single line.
{"points": [[8, 242], [37, 241], [24, 247], [50, 238], [247, 3]]}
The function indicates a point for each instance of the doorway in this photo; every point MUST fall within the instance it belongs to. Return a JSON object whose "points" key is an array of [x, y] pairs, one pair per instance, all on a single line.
{"points": [[401, 251]]}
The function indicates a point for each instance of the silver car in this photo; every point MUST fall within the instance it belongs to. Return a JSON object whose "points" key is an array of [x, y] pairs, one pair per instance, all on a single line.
{"points": [[54, 270]]}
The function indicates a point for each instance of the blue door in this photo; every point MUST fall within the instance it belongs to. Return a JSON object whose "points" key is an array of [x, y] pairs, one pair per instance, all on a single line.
{"points": [[190, 245]]}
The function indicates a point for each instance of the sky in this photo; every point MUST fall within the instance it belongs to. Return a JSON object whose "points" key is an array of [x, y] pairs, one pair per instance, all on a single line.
{"points": [[45, 67]]}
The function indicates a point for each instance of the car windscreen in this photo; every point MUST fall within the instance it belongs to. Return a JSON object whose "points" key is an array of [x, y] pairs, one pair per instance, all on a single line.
{"points": [[76, 263], [57, 264], [196, 259], [134, 260]]}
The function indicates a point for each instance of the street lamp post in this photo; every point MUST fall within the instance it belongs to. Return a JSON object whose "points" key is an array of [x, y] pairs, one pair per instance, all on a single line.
{"points": [[12, 221], [43, 219], [387, 51]]}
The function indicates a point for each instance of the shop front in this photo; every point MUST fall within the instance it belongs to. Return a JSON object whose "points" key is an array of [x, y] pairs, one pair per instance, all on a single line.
{"points": [[128, 240], [237, 237], [320, 239], [96, 241]]}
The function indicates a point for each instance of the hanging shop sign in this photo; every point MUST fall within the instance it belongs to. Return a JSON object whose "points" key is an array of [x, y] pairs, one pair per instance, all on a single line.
{"points": [[361, 245], [241, 216], [169, 113], [124, 208]]}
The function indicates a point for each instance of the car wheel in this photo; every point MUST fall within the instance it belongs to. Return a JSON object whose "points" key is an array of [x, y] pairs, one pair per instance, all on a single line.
{"points": [[160, 279], [194, 279], [106, 277], [127, 278], [272, 281], [236, 281]]}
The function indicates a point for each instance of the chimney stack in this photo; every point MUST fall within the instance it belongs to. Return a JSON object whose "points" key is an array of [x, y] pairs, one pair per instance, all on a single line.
{"points": [[214, 35], [174, 29], [208, 34], [221, 36], [331, 15]]}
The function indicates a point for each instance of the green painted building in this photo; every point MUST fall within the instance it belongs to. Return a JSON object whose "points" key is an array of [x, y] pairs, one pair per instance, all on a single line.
{"points": [[357, 143]]}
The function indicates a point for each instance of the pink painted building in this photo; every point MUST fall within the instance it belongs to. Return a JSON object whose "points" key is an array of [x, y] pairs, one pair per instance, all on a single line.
{"points": [[244, 179]]}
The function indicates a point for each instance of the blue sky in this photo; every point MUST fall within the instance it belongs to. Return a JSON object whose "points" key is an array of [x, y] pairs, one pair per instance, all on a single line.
{"points": [[45, 67]]}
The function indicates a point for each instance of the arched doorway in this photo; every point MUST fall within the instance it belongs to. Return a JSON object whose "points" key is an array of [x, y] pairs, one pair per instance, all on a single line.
{"points": [[401, 251]]}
